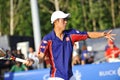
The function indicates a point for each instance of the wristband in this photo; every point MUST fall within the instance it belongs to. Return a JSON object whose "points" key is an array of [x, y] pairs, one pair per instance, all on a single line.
{"points": [[105, 33]]}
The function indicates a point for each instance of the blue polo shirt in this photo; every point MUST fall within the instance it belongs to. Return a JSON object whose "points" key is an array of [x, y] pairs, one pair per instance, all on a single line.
{"points": [[60, 51]]}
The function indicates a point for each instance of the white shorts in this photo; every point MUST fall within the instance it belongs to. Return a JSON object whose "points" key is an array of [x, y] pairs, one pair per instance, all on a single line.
{"points": [[57, 78]]}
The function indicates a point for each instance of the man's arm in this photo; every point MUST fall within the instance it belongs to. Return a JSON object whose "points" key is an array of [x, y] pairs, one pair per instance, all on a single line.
{"points": [[96, 34], [107, 35], [41, 56]]}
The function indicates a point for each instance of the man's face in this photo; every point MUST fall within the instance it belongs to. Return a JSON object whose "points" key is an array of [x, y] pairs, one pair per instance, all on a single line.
{"points": [[61, 23]]}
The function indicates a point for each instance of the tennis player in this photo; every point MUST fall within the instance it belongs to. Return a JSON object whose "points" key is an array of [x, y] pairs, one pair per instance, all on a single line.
{"points": [[58, 45]]}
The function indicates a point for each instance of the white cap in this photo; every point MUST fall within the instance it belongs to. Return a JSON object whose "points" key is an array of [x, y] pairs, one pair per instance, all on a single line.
{"points": [[58, 14]]}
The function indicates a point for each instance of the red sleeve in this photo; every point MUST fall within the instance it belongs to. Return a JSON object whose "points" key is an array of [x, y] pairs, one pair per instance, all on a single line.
{"points": [[78, 37]]}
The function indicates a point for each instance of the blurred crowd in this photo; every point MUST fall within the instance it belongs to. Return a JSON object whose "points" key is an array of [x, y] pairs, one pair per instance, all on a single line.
{"points": [[86, 55], [81, 56], [14, 66]]}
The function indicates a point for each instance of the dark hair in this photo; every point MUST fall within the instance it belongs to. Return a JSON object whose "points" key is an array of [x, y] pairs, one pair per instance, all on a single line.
{"points": [[53, 25]]}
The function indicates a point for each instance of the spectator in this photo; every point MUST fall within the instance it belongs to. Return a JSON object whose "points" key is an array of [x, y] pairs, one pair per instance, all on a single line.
{"points": [[19, 53], [18, 67], [32, 55], [76, 58], [5, 65], [14, 52], [84, 55], [111, 52], [90, 55]]}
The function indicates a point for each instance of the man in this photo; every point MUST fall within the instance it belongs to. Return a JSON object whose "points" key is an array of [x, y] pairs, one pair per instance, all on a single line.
{"points": [[112, 52], [58, 45], [32, 55], [84, 54], [75, 55]]}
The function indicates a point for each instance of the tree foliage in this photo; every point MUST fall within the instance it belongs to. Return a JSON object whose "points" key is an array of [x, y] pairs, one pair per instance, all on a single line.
{"points": [[88, 15]]}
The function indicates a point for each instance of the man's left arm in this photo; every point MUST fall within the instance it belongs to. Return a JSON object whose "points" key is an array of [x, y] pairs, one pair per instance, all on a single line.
{"points": [[95, 34], [107, 35]]}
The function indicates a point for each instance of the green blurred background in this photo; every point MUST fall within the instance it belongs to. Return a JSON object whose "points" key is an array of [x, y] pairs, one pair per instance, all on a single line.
{"points": [[87, 15]]}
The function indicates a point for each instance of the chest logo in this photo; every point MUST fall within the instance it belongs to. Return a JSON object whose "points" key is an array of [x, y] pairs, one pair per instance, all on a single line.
{"points": [[67, 39]]}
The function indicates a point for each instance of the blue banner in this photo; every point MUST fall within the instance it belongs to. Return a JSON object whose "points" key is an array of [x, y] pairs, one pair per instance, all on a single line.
{"points": [[102, 71]]}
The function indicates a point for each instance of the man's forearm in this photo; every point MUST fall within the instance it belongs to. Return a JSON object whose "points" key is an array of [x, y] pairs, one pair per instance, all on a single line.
{"points": [[96, 34]]}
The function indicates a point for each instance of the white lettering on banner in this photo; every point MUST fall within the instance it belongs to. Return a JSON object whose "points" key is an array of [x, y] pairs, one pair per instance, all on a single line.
{"points": [[110, 72], [77, 75], [46, 76], [118, 71], [107, 73]]}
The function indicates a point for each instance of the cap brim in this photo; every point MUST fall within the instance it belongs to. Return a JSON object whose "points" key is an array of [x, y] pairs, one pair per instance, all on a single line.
{"points": [[66, 15]]}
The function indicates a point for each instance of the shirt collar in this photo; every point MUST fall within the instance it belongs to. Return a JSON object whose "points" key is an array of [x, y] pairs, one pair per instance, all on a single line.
{"points": [[54, 35]]}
